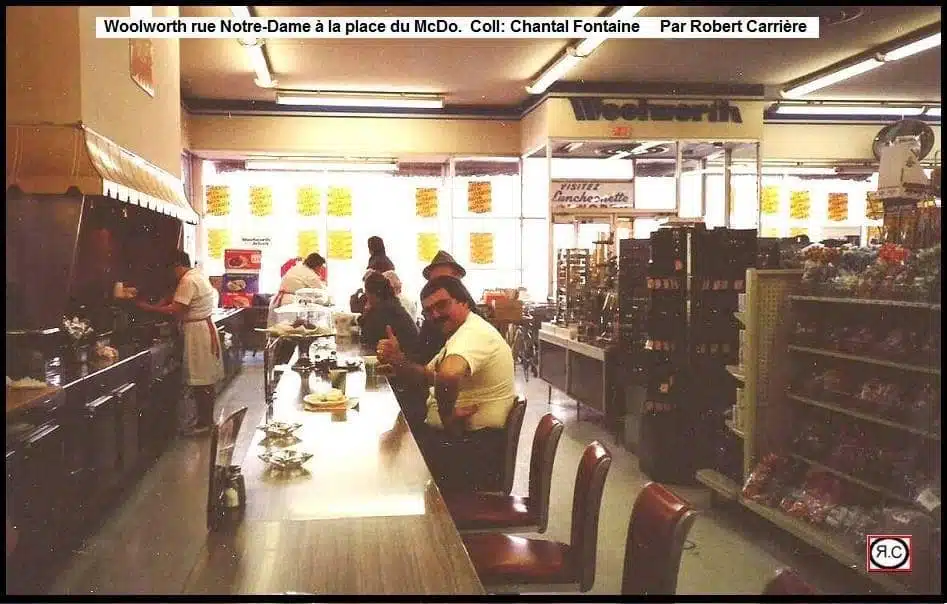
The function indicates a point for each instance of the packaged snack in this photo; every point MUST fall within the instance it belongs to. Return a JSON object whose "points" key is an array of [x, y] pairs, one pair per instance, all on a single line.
{"points": [[766, 480]]}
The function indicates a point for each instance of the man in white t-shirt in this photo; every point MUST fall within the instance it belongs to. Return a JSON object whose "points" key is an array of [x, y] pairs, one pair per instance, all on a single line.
{"points": [[471, 387], [192, 304]]}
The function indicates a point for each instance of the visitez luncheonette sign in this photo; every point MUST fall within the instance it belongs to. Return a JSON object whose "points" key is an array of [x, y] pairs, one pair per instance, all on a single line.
{"points": [[591, 194]]}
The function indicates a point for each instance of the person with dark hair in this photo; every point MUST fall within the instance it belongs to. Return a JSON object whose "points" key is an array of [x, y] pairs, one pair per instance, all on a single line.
{"points": [[193, 303], [378, 259], [431, 337], [300, 276], [470, 383], [383, 309]]}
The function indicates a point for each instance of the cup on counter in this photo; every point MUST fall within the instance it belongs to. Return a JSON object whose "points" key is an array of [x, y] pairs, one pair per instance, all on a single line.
{"points": [[337, 378], [371, 364]]}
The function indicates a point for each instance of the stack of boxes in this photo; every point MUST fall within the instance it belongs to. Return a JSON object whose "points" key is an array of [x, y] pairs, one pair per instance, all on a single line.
{"points": [[241, 279]]}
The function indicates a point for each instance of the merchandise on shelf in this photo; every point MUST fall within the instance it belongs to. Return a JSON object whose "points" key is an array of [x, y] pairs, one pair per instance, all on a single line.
{"points": [[887, 272]]}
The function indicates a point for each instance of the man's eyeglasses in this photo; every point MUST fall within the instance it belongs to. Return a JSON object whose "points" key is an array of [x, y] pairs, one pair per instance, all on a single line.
{"points": [[441, 306]]}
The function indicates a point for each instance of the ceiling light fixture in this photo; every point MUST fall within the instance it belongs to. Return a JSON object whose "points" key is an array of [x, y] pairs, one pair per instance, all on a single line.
{"points": [[912, 48], [358, 99], [570, 147], [848, 110], [254, 47], [933, 111], [620, 155], [834, 76], [320, 166], [573, 55]]}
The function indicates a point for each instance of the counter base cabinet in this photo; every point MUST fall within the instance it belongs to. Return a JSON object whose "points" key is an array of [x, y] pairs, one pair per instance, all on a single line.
{"points": [[36, 479], [129, 413], [104, 462]]}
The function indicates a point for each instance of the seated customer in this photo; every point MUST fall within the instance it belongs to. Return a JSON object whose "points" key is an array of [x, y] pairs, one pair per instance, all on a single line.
{"points": [[383, 310], [431, 336], [471, 389]]}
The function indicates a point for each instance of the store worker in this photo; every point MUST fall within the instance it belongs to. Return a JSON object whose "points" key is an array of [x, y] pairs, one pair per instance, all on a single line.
{"points": [[305, 275], [470, 383], [431, 337], [192, 304]]}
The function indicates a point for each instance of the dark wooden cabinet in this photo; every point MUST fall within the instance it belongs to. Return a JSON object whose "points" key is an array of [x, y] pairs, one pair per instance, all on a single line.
{"points": [[103, 461], [126, 397]]}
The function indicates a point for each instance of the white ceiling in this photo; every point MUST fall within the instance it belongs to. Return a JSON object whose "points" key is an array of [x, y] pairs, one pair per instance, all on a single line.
{"points": [[491, 73]]}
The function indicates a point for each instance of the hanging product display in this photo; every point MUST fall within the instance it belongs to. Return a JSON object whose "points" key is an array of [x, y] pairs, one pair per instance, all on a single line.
{"points": [[481, 248], [425, 202], [307, 243], [340, 201], [217, 241], [838, 207], [479, 197], [428, 244], [800, 203], [340, 245], [261, 201], [308, 201], [769, 200], [218, 200]]}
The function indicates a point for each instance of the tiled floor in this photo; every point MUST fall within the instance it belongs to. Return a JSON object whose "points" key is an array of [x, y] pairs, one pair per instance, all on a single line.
{"points": [[137, 549]]}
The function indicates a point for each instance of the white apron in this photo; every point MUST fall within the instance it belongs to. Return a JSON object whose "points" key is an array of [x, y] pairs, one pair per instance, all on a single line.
{"points": [[203, 353]]}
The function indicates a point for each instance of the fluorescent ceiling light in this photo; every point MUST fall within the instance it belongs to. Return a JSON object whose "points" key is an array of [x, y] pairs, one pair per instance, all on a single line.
{"points": [[588, 45], [573, 55], [240, 12], [254, 47], [353, 99], [620, 155], [570, 147], [913, 48], [555, 71], [319, 166], [847, 110], [833, 78], [933, 111]]}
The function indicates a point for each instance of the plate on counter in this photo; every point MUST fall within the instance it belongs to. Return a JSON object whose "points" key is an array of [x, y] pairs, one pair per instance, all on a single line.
{"points": [[285, 459], [277, 429], [329, 399]]}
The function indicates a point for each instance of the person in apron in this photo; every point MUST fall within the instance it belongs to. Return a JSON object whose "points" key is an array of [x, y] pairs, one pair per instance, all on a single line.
{"points": [[192, 304], [306, 275]]}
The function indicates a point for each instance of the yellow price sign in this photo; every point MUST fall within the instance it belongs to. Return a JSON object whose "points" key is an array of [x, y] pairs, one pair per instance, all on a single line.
{"points": [[769, 200], [308, 201], [428, 244], [261, 201], [218, 200], [425, 202], [217, 241], [340, 201], [838, 207], [479, 196], [796, 231], [874, 207], [481, 248], [340, 245], [800, 204], [307, 242], [770, 232]]}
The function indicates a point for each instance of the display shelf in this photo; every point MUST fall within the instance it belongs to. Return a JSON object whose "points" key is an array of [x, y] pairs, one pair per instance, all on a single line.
{"points": [[730, 425], [853, 479], [863, 359], [737, 372], [832, 545], [719, 483], [868, 302], [860, 415]]}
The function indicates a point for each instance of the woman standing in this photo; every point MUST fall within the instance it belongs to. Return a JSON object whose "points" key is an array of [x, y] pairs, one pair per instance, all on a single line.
{"points": [[300, 276]]}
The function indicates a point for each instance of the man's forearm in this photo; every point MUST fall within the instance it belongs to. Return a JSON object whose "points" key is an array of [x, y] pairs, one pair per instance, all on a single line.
{"points": [[445, 392], [416, 374]]}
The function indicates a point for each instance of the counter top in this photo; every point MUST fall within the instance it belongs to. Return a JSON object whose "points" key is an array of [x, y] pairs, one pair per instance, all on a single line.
{"points": [[18, 399], [64, 373], [590, 350]]}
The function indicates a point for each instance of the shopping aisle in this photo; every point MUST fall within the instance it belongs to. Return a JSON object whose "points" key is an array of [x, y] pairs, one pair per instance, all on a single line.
{"points": [[148, 545]]}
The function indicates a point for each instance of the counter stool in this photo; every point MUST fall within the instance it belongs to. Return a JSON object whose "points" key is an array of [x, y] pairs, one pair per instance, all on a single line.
{"points": [[660, 521], [787, 582], [496, 512], [512, 564]]}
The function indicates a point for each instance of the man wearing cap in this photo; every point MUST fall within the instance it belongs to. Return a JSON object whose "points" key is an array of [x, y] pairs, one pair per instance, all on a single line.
{"points": [[431, 338]]}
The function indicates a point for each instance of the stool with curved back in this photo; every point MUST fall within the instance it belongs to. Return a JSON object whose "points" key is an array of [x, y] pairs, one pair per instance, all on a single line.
{"points": [[222, 444], [514, 426], [498, 512], [660, 521], [513, 564], [787, 582]]}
